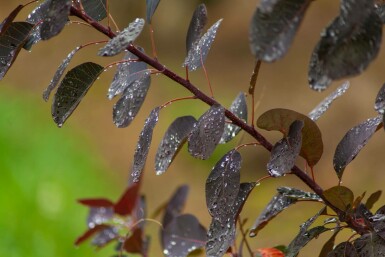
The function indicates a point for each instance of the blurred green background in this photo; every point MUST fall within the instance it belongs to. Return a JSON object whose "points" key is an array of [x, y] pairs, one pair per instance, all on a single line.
{"points": [[44, 169]]}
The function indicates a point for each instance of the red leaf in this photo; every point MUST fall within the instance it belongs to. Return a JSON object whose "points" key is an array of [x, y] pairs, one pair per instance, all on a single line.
{"points": [[127, 202], [90, 233], [134, 244], [270, 252], [97, 202]]}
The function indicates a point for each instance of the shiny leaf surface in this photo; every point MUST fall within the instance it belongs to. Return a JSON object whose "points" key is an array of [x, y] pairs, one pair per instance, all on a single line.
{"points": [[298, 194], [195, 29], [239, 109], [285, 151], [9, 19], [122, 40], [175, 205], [72, 89], [172, 141], [379, 104], [96, 9], [281, 119], [151, 6], [207, 133], [55, 18], [143, 145], [352, 143], [370, 245], [36, 17], [219, 238], [273, 27]]}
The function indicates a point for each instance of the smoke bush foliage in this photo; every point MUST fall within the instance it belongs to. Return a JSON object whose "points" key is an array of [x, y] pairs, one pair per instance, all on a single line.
{"points": [[346, 48]]}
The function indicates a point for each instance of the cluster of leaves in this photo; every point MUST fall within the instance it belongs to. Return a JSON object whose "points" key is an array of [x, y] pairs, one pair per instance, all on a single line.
{"points": [[347, 46]]}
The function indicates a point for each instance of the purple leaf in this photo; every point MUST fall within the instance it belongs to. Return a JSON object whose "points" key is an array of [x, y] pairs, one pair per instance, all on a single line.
{"points": [[219, 238], [195, 29], [96, 9], [9, 19], [55, 18], [345, 249], [207, 133], [72, 89], [99, 216], [151, 6], [175, 205], [172, 141], [105, 236], [379, 104], [36, 17], [298, 194], [369, 245]]}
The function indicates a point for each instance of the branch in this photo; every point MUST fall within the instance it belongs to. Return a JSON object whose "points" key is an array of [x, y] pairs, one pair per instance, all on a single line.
{"points": [[208, 100]]}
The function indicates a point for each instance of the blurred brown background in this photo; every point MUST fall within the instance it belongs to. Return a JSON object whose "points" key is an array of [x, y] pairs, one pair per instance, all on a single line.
{"points": [[229, 65]]}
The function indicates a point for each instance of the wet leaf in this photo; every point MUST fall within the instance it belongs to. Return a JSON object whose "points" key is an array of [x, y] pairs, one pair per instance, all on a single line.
{"points": [[100, 202], [273, 27], [96, 9], [72, 89], [298, 194], [273, 208], [127, 73], [305, 235], [134, 244], [340, 196], [352, 143], [369, 245], [373, 198], [380, 10], [269, 252], [379, 104], [239, 109], [105, 236], [244, 192], [195, 29], [99, 215], [36, 18], [58, 74], [285, 151], [128, 200], [151, 6], [175, 205], [89, 233], [323, 106], [281, 119], [328, 246], [122, 40], [172, 141], [347, 46], [207, 133], [198, 53], [128, 106], [11, 41], [55, 18], [345, 249], [9, 19], [219, 238], [183, 235], [222, 185], [143, 145]]}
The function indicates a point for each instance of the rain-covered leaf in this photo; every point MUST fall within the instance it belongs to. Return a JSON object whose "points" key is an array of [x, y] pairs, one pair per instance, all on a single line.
{"points": [[323, 106], [175, 205], [198, 53], [55, 18], [128, 106], [273, 27], [172, 141], [89, 233], [128, 200], [273, 208], [347, 46], [239, 109], [298, 194], [127, 73], [105, 236], [379, 104], [219, 238], [244, 191], [380, 10], [99, 215], [36, 17], [285, 151], [281, 119], [222, 185], [345, 249], [59, 72], [328, 246], [340, 196], [143, 145], [121, 41], [11, 41], [96, 9], [195, 29], [373, 198], [183, 235], [305, 235], [369, 245], [269, 252], [352, 143], [100, 202], [207, 133], [9, 19], [72, 89], [151, 6]]}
